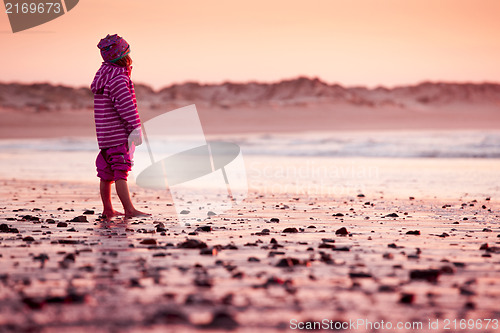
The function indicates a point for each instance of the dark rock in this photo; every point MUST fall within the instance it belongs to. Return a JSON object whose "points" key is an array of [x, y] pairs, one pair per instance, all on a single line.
{"points": [[291, 262], [443, 235], [205, 228], [493, 249], [275, 220], [184, 212], [204, 282], [213, 251], [62, 225], [30, 218], [392, 215], [33, 303], [253, 259], [354, 275], [222, 320], [326, 246], [484, 246], [89, 212], [41, 257], [230, 246], [394, 246], [192, 244], [430, 275], [68, 241], [387, 289], [361, 195], [470, 305], [148, 241], [81, 218], [5, 228], [413, 232], [487, 230], [338, 215], [343, 248], [388, 255], [28, 239], [466, 291], [342, 231], [169, 316], [290, 230], [407, 298], [448, 270]]}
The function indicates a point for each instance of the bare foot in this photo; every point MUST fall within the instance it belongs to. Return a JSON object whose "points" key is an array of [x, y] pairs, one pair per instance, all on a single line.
{"points": [[136, 213], [110, 214]]}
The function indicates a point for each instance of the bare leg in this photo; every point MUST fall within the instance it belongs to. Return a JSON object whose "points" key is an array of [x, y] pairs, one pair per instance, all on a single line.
{"points": [[124, 195], [108, 211]]}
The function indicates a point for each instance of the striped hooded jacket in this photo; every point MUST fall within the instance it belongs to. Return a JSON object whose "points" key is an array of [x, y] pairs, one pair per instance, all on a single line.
{"points": [[115, 105]]}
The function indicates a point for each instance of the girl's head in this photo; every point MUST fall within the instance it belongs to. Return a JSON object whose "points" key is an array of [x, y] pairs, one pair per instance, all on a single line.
{"points": [[114, 49]]}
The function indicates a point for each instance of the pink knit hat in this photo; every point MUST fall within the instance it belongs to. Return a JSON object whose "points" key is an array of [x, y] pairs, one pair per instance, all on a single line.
{"points": [[113, 48]]}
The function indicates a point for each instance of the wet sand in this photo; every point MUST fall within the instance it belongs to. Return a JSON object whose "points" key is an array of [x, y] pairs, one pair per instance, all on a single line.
{"points": [[277, 260]]}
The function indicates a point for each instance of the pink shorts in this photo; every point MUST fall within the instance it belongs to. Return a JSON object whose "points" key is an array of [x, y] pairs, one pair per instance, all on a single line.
{"points": [[114, 163]]}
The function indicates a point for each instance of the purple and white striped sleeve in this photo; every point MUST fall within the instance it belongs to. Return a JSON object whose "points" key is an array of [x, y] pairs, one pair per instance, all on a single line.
{"points": [[123, 97]]}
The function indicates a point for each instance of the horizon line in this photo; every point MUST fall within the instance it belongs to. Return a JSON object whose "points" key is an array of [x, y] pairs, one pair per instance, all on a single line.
{"points": [[295, 78]]}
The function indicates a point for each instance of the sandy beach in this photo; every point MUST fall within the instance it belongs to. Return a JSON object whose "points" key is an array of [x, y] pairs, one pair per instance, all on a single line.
{"points": [[281, 259]]}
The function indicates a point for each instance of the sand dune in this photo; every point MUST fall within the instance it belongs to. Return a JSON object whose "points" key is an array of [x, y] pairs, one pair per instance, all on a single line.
{"points": [[302, 104]]}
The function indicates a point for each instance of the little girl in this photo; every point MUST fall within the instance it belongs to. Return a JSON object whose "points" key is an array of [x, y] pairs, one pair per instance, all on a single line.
{"points": [[116, 117]]}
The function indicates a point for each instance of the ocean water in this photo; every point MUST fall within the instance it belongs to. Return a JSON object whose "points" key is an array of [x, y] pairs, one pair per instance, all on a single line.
{"points": [[447, 164], [397, 144]]}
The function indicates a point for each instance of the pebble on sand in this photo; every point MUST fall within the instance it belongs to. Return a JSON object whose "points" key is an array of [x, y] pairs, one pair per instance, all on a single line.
{"points": [[169, 316], [81, 218], [192, 244], [430, 275], [342, 231], [222, 320], [205, 228], [291, 262], [148, 241], [407, 298]]}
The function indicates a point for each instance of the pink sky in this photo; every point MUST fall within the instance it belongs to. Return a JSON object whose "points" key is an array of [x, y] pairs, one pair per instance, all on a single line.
{"points": [[351, 42]]}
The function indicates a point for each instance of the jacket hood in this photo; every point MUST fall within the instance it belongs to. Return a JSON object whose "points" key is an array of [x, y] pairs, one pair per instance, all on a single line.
{"points": [[105, 74]]}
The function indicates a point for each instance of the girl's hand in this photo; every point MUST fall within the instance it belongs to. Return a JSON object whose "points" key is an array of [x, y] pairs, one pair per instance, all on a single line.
{"points": [[135, 137]]}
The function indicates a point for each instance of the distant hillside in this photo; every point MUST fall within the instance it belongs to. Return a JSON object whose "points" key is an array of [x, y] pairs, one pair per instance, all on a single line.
{"points": [[299, 91]]}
